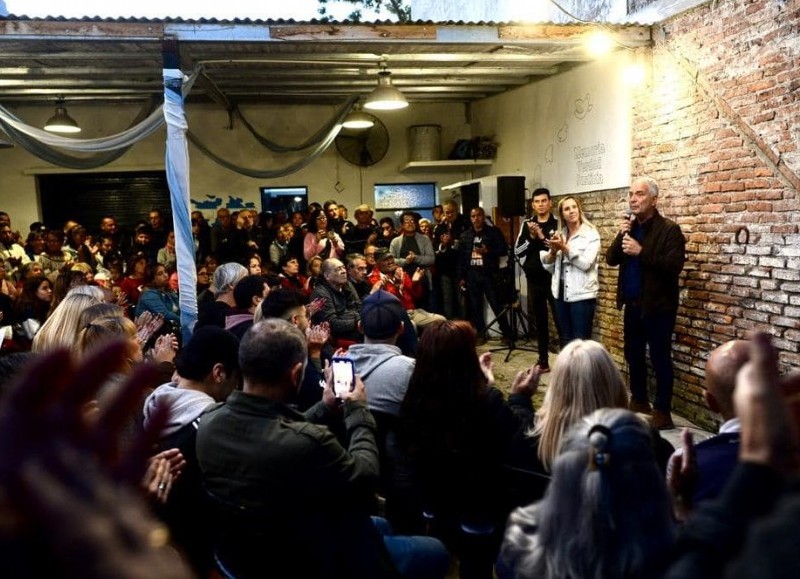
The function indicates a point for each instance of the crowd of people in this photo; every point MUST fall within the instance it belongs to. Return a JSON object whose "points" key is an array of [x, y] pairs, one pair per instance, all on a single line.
{"points": [[130, 453]]}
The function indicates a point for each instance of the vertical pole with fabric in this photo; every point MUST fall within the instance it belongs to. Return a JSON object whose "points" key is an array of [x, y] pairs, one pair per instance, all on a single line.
{"points": [[177, 167]]}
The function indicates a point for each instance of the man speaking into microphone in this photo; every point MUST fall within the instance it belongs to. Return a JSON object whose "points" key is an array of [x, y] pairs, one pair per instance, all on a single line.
{"points": [[650, 251]]}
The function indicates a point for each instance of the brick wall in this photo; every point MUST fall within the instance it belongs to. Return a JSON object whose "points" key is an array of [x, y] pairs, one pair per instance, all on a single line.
{"points": [[718, 128]]}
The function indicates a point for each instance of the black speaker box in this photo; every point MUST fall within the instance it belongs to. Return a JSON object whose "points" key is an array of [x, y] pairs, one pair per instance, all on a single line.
{"points": [[511, 196]]}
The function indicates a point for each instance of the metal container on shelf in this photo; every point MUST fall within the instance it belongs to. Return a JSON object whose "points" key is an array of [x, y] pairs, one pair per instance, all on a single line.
{"points": [[424, 142]]}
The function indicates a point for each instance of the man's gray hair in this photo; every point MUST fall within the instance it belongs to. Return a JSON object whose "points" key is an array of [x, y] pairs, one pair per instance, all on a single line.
{"points": [[329, 265], [652, 185], [352, 257], [269, 349], [228, 274]]}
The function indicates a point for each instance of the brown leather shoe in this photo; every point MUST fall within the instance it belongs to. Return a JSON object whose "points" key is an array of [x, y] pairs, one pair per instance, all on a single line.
{"points": [[640, 407], [661, 420]]}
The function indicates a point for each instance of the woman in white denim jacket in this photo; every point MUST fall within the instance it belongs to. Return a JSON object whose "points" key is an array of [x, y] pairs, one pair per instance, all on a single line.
{"points": [[572, 261]]}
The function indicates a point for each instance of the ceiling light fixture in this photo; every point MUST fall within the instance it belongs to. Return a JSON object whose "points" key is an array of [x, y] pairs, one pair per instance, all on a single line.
{"points": [[358, 119], [385, 97], [61, 122]]}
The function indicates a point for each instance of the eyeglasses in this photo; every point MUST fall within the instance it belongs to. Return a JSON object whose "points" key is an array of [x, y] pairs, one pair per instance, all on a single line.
{"points": [[362, 268], [369, 254]]}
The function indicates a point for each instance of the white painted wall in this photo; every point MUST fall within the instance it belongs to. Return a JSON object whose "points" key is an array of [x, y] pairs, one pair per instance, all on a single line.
{"points": [[18, 195], [569, 132], [538, 131]]}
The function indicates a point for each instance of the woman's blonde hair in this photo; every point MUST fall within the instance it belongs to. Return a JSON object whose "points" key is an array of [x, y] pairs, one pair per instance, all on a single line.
{"points": [[101, 331], [61, 328], [577, 201], [584, 379]]}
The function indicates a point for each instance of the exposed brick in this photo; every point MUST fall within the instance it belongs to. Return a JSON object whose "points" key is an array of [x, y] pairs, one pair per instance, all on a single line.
{"points": [[719, 132]]}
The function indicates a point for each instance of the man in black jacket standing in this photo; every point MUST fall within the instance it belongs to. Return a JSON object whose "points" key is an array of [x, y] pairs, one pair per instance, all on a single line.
{"points": [[446, 236], [480, 249], [650, 251], [530, 242]]}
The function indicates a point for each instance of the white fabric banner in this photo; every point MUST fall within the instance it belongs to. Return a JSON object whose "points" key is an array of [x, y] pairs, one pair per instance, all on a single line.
{"points": [[177, 167]]}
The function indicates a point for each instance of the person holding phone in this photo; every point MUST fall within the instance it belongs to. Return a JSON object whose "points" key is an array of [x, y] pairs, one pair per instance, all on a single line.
{"points": [[306, 494]]}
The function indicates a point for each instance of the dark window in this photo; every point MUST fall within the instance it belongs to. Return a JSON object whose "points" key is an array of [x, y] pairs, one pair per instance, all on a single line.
{"points": [[87, 197]]}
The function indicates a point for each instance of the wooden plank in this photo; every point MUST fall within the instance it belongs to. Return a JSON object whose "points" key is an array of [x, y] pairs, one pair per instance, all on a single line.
{"points": [[82, 29], [548, 33], [332, 32]]}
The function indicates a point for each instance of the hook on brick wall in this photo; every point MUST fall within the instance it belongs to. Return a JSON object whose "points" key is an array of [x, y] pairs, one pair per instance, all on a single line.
{"points": [[742, 232]]}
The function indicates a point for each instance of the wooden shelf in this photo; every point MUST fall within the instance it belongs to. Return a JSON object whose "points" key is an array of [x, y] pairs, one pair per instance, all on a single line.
{"points": [[446, 165]]}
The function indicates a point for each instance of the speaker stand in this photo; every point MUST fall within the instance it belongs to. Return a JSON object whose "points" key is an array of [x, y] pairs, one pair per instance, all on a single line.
{"points": [[517, 319]]}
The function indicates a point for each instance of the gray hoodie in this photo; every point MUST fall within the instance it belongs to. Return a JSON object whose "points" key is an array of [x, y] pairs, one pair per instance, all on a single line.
{"points": [[385, 372], [185, 405]]}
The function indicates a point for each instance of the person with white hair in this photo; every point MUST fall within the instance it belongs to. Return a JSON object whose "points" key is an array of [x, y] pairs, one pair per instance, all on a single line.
{"points": [[650, 251], [226, 276], [607, 512]]}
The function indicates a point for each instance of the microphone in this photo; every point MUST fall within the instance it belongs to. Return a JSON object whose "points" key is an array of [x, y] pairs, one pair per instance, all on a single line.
{"points": [[629, 214]]}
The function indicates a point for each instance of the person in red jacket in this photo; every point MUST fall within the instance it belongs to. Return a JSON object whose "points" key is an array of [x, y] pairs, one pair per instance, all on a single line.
{"points": [[407, 288]]}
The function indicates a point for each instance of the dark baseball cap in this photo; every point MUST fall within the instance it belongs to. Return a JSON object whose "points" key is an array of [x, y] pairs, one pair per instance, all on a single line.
{"points": [[381, 315]]}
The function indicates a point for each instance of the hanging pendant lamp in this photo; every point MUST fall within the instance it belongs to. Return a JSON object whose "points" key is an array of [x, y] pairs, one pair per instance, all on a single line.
{"points": [[358, 119], [385, 97], [61, 122]]}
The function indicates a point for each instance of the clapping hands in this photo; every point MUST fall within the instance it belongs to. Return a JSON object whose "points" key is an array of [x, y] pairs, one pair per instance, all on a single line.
{"points": [[71, 481]]}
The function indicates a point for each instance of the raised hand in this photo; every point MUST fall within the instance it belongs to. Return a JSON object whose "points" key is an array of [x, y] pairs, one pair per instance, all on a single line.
{"points": [[317, 336], [769, 431], [315, 306], [487, 367], [162, 470], [526, 381], [682, 475], [148, 324], [165, 348], [70, 481]]}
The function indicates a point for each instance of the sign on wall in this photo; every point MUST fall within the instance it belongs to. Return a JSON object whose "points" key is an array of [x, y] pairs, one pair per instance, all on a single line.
{"points": [[583, 143]]}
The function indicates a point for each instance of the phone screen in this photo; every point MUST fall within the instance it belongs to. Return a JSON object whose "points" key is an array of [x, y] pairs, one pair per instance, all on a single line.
{"points": [[343, 376]]}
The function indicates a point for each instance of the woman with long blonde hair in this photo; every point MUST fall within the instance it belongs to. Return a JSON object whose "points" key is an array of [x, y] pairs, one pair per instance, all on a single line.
{"points": [[584, 379], [62, 326], [571, 258]]}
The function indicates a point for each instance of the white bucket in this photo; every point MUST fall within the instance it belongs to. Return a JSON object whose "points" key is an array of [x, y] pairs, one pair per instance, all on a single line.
{"points": [[424, 143]]}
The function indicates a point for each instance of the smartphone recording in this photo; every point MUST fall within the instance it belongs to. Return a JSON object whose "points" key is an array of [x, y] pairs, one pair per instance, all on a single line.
{"points": [[344, 375]]}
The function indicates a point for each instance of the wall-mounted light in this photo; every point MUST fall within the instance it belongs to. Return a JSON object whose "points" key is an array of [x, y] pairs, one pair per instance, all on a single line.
{"points": [[385, 97], [61, 122]]}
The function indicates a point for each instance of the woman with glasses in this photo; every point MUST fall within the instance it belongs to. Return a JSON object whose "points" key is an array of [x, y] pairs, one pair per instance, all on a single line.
{"points": [[320, 241]]}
